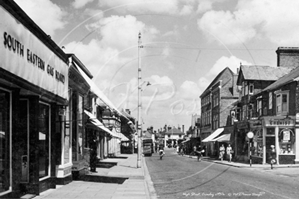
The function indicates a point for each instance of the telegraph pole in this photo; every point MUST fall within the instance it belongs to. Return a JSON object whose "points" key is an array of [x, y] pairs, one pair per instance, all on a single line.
{"points": [[139, 112]]}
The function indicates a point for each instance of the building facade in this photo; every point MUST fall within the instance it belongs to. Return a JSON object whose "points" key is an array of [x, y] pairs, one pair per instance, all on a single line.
{"points": [[268, 109], [33, 96], [216, 102]]}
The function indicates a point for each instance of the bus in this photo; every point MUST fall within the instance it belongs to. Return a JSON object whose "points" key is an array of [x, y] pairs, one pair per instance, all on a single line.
{"points": [[147, 147]]}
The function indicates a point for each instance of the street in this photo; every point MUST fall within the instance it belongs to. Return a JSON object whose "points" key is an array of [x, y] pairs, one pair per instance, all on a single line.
{"points": [[177, 176]]}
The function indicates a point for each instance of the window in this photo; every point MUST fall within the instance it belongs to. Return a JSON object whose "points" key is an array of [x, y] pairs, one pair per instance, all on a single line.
{"points": [[246, 88], [259, 106], [270, 100], [244, 112], [67, 137], [5, 148], [251, 88], [77, 133], [287, 141], [44, 140], [215, 122], [282, 105]]}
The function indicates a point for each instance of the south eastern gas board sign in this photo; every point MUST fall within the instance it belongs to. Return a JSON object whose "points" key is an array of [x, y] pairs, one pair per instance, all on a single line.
{"points": [[24, 55]]}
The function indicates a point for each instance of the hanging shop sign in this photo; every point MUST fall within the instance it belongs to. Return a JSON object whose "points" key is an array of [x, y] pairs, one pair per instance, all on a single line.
{"points": [[24, 55]]}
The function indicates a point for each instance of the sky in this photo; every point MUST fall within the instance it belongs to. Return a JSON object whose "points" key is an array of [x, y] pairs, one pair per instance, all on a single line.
{"points": [[184, 45]]}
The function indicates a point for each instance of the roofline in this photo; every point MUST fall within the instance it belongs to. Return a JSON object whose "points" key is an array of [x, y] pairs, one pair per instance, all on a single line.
{"points": [[15, 10], [80, 64], [212, 82]]}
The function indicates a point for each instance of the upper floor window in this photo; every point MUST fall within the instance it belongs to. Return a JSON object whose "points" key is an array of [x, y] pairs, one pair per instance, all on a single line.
{"points": [[245, 88], [259, 106], [282, 105], [215, 99], [251, 88], [270, 100]]}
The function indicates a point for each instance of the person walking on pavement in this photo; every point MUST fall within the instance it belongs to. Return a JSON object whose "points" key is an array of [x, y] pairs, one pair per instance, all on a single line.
{"points": [[200, 153], [194, 152], [229, 152], [221, 152]]}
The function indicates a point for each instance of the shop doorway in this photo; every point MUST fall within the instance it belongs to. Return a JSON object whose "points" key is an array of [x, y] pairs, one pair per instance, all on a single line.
{"points": [[24, 139]]}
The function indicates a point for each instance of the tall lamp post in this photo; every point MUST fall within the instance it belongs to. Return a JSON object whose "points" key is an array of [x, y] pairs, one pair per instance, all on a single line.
{"points": [[139, 112]]}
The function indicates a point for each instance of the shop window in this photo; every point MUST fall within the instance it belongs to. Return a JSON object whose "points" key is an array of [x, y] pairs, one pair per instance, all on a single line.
{"points": [[68, 129], [286, 141], [5, 148], [271, 131], [258, 143], [44, 140], [77, 137]]}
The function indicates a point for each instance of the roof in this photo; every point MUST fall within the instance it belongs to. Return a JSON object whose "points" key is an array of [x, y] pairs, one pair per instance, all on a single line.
{"points": [[174, 131], [290, 77], [215, 80], [262, 73]]}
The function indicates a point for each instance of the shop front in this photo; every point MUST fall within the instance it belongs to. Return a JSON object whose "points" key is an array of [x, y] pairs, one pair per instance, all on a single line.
{"points": [[33, 95], [280, 132], [256, 143]]}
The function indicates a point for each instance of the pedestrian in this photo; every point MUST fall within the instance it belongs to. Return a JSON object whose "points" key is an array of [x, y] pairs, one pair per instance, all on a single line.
{"points": [[199, 153], [272, 156], [194, 152], [229, 152], [221, 152]]}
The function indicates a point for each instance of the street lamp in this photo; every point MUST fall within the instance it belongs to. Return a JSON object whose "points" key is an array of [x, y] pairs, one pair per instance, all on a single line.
{"points": [[139, 112], [250, 136]]}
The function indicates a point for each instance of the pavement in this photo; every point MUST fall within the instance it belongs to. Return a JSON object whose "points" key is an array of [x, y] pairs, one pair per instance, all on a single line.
{"points": [[125, 180], [244, 165], [121, 181]]}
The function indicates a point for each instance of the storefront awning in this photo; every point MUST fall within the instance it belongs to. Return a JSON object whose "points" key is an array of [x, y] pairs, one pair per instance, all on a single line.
{"points": [[213, 135], [188, 139], [222, 138], [123, 137], [98, 124]]}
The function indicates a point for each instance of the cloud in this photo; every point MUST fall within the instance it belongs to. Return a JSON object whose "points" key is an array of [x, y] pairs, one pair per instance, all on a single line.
{"points": [[80, 3], [121, 32], [189, 90], [265, 18], [204, 5], [49, 19], [231, 62], [174, 7], [112, 55]]}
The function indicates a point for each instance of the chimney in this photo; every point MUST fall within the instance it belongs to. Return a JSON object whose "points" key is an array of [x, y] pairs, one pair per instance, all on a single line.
{"points": [[127, 111], [287, 57], [182, 128]]}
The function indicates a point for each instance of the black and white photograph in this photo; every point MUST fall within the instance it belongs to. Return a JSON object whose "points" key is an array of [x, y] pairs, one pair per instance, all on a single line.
{"points": [[149, 99]]}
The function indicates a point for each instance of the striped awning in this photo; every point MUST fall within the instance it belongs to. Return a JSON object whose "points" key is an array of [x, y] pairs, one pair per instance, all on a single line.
{"points": [[97, 123], [213, 135], [222, 138]]}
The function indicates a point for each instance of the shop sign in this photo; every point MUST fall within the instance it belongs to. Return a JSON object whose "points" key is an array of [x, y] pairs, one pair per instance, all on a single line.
{"points": [[25, 56], [279, 122]]}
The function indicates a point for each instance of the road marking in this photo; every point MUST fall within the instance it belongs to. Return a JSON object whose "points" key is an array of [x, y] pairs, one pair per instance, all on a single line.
{"points": [[262, 189], [162, 182]]}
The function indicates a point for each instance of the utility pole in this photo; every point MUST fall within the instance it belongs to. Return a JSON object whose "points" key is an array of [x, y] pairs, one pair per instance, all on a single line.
{"points": [[139, 112]]}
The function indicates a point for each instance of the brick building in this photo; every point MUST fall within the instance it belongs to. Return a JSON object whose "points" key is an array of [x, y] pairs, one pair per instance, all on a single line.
{"points": [[268, 108], [216, 102]]}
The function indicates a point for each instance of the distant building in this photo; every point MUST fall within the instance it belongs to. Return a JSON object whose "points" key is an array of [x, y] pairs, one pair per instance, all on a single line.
{"points": [[173, 136]]}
